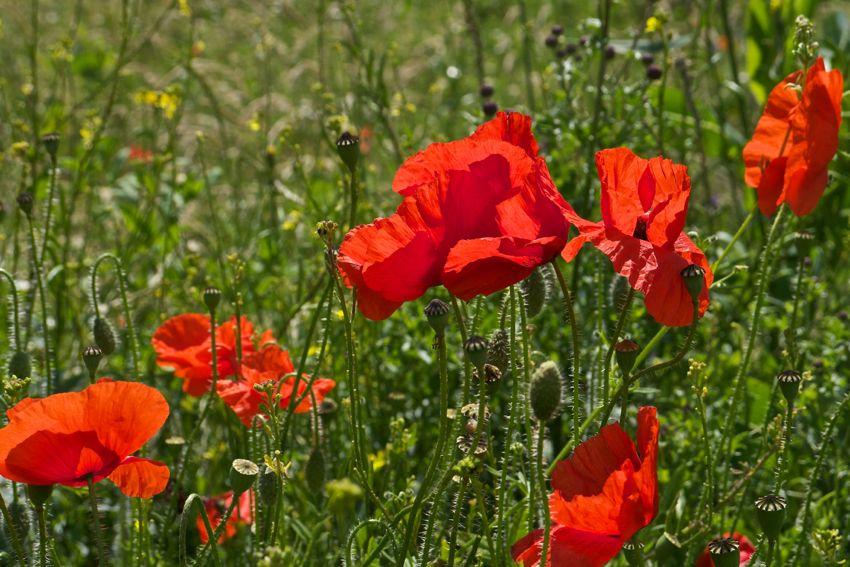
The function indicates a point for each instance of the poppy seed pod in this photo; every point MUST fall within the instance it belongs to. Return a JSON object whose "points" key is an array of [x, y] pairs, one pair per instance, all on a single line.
{"points": [[348, 148], [694, 277], [20, 365], [545, 394], [314, 471], [51, 144], [486, 90], [534, 291], [770, 511], [626, 352], [632, 551], [26, 202], [500, 348], [104, 335], [610, 52], [490, 108], [551, 41], [39, 494], [437, 312], [91, 358], [212, 297], [475, 348], [647, 58], [653, 72], [242, 475], [725, 552], [789, 383], [557, 29]]}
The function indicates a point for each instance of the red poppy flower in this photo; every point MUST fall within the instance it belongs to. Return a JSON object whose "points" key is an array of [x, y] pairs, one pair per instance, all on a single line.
{"points": [[644, 205], [603, 495], [183, 344], [139, 154], [66, 438], [215, 508], [478, 215], [270, 363], [795, 139], [747, 551]]}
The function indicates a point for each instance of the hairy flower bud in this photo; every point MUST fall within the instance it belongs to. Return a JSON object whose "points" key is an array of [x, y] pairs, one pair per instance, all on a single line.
{"points": [[104, 335], [314, 471], [500, 349], [20, 365], [545, 394], [626, 352], [535, 290]]}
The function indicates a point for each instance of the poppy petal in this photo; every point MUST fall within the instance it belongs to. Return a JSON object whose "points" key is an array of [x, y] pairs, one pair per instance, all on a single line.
{"points": [[620, 172], [511, 127], [140, 478]]}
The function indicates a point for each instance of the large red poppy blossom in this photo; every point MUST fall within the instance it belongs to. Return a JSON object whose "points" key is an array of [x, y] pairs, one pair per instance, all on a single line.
{"points": [[183, 344], [602, 496], [478, 215], [644, 205], [795, 139], [269, 364], [746, 546], [215, 508], [67, 438]]}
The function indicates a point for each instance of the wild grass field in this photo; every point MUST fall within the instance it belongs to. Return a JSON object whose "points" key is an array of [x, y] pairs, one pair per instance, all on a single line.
{"points": [[467, 282]]}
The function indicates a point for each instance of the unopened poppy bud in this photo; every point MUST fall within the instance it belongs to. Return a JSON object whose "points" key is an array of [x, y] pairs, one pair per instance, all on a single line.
{"points": [[610, 52], [348, 148], [545, 394], [626, 352], [92, 356], [104, 335], [267, 485], [437, 313], [551, 41], [725, 552], [20, 365], [51, 144], [26, 202], [242, 475], [653, 72], [475, 348], [314, 471], [647, 58], [486, 90], [789, 383], [327, 409], [39, 494], [490, 108], [557, 30], [694, 277], [212, 297], [534, 290], [770, 511], [500, 348]]}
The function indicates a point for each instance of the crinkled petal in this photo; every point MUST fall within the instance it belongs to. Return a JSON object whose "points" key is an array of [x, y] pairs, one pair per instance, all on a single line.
{"points": [[140, 478]]}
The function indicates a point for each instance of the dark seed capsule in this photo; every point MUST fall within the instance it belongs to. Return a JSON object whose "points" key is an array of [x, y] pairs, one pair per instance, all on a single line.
{"points": [[610, 52], [653, 72], [490, 108], [51, 144], [437, 313], [551, 41], [348, 148], [91, 358], [694, 277], [486, 90], [212, 297], [557, 30], [789, 383], [476, 348], [626, 352], [26, 202], [647, 58], [725, 552]]}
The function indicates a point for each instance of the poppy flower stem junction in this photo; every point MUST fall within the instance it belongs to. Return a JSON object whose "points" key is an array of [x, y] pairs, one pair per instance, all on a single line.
{"points": [[571, 319], [103, 561], [765, 271]]}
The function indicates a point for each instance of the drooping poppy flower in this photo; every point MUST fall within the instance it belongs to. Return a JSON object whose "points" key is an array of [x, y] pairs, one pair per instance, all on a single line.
{"points": [[269, 364], [477, 215], [67, 438], [746, 546], [602, 496], [215, 508], [795, 139], [644, 205], [183, 344]]}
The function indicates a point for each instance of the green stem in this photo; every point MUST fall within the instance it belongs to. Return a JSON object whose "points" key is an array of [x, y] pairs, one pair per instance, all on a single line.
{"points": [[103, 561], [625, 310], [42, 536], [765, 270], [49, 213], [782, 456], [12, 529], [735, 239], [541, 484], [195, 499], [125, 305], [39, 280], [571, 319], [514, 408], [16, 315]]}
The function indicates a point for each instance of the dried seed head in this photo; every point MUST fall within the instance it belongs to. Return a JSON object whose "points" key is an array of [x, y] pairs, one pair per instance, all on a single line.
{"points": [[437, 313], [26, 202], [348, 148], [212, 297], [545, 394], [500, 349], [104, 335], [92, 356], [470, 411], [464, 444], [51, 144], [492, 374], [475, 348], [242, 475], [626, 352], [694, 277], [770, 511], [725, 552], [789, 383], [20, 365]]}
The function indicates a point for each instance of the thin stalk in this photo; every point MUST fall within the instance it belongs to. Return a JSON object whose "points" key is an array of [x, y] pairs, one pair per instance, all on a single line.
{"points": [[765, 271], [625, 310], [541, 484], [571, 319], [782, 457], [42, 536], [605, 17], [125, 305], [735, 238], [16, 315], [39, 280], [98, 535], [12, 529], [49, 213]]}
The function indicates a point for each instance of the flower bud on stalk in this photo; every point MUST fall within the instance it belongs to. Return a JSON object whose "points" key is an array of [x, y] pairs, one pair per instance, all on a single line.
{"points": [[770, 511], [348, 148], [212, 297], [92, 356], [475, 348], [725, 552], [626, 352], [314, 471], [545, 394], [104, 335], [789, 383], [534, 292], [51, 145], [694, 277], [267, 486], [499, 351], [437, 313], [26, 202], [20, 365]]}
